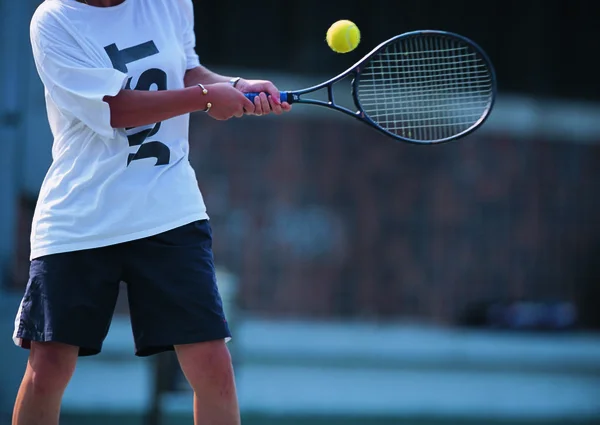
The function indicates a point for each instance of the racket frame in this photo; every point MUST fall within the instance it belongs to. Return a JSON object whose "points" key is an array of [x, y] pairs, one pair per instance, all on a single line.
{"points": [[296, 95]]}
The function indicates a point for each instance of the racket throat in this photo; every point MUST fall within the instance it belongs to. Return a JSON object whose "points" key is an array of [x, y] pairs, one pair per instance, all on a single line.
{"points": [[296, 97]]}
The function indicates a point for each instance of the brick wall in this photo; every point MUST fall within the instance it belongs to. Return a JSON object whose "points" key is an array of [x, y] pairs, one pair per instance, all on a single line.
{"points": [[327, 218], [330, 219]]}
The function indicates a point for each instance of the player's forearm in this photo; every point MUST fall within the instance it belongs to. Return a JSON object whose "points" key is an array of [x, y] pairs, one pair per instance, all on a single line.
{"points": [[135, 108], [203, 75]]}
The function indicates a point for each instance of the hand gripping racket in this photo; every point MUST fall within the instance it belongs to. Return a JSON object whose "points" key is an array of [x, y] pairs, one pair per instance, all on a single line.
{"points": [[419, 87]]}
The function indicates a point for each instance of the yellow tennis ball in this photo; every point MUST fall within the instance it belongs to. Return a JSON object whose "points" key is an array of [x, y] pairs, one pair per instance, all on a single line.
{"points": [[343, 36]]}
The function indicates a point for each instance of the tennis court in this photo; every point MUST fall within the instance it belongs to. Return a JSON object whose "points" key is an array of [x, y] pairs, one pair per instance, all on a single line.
{"points": [[368, 279], [302, 372]]}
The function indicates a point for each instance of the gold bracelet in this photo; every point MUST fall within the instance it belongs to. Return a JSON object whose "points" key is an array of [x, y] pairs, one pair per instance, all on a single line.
{"points": [[205, 92]]}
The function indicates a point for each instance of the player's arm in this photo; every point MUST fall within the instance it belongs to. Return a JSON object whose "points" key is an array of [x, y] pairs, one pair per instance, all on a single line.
{"points": [[267, 102], [135, 108], [202, 75]]}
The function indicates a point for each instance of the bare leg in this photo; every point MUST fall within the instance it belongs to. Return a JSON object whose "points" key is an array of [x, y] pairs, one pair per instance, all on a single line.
{"points": [[207, 367], [48, 373]]}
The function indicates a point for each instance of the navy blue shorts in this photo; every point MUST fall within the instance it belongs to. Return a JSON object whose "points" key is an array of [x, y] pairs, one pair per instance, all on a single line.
{"points": [[171, 288]]}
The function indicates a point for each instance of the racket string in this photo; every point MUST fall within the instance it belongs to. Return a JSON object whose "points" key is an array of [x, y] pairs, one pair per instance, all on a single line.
{"points": [[426, 88]]}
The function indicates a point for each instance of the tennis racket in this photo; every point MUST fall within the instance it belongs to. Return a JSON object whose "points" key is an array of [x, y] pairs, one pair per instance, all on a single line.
{"points": [[420, 87]]}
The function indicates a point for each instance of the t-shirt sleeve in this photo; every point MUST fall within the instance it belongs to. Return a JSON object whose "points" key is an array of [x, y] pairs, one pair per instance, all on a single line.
{"points": [[75, 80], [189, 37]]}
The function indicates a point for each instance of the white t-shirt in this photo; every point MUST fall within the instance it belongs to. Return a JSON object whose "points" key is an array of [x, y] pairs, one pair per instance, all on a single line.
{"points": [[106, 186]]}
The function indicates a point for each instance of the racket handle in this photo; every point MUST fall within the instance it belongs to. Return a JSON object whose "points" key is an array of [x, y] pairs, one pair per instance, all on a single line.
{"points": [[282, 95]]}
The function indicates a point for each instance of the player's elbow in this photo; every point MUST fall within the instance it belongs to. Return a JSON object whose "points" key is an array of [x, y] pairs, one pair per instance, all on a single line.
{"points": [[116, 112]]}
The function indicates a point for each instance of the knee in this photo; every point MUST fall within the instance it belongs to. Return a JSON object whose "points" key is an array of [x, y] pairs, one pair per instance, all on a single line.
{"points": [[51, 366], [211, 354], [206, 362]]}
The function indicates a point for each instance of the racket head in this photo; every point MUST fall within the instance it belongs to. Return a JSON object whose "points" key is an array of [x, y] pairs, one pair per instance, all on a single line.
{"points": [[425, 87]]}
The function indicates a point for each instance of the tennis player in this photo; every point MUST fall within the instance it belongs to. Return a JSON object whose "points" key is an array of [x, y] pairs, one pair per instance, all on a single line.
{"points": [[120, 201]]}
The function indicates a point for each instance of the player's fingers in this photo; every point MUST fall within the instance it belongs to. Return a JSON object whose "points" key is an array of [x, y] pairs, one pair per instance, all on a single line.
{"points": [[264, 102], [248, 105], [275, 107], [286, 106], [258, 106], [272, 90]]}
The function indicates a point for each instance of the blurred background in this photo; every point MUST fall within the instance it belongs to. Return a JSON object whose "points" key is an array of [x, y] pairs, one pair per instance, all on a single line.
{"points": [[367, 281]]}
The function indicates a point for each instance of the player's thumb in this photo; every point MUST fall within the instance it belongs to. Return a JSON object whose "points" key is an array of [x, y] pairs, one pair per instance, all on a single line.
{"points": [[270, 88], [248, 105]]}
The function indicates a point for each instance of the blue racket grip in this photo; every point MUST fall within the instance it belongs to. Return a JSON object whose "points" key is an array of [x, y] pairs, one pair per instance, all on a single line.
{"points": [[282, 95]]}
